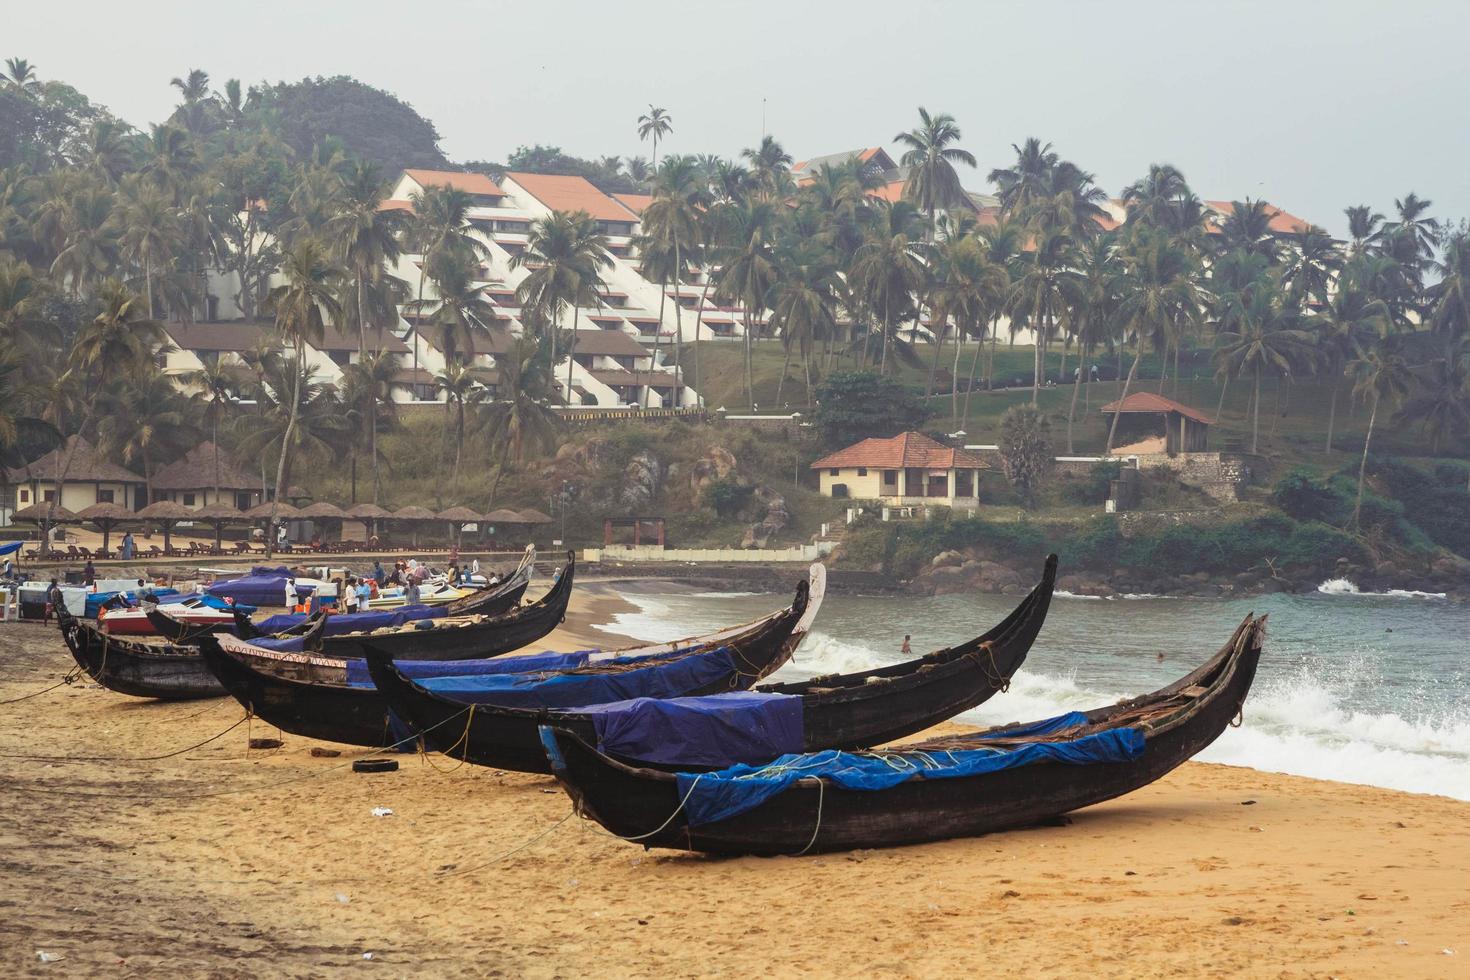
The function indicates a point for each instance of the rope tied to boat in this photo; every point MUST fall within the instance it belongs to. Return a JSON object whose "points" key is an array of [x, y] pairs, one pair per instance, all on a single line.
{"points": [[993, 674], [462, 741], [821, 798]]}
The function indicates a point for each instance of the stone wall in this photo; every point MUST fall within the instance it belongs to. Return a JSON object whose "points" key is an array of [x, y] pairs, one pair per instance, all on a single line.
{"points": [[1221, 475]]}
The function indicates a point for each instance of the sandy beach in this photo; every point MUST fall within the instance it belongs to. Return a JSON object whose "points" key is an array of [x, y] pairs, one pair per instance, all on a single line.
{"points": [[223, 861]]}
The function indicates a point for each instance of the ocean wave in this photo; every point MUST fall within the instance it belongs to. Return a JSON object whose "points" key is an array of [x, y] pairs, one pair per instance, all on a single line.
{"points": [[1064, 594], [1343, 586]]}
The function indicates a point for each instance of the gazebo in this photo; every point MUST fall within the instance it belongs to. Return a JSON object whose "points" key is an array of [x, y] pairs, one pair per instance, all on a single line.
{"points": [[370, 513], [413, 515], [106, 517], [45, 514], [533, 516], [1144, 417], [262, 512], [217, 514], [458, 517], [323, 511], [166, 513]]}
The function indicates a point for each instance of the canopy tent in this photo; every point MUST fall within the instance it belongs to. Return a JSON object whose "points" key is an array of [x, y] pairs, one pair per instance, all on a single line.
{"points": [[368, 513], [217, 514], [106, 517], [166, 513], [10, 547]]}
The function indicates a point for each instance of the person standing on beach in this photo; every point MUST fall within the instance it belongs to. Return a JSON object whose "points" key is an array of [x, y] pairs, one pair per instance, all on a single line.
{"points": [[54, 602], [129, 548], [906, 650], [89, 574], [364, 594], [411, 592], [379, 575], [349, 597]]}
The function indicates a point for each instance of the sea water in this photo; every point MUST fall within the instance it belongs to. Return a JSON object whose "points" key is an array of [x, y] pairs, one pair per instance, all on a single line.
{"points": [[1354, 687]]}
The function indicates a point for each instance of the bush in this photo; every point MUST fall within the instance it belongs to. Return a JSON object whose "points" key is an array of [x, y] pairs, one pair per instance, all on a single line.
{"points": [[856, 405], [1306, 498], [1025, 449], [726, 497], [1095, 487]]}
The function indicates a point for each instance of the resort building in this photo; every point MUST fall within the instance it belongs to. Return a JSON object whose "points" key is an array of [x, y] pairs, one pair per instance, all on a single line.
{"points": [[90, 479], [908, 469], [191, 480]]}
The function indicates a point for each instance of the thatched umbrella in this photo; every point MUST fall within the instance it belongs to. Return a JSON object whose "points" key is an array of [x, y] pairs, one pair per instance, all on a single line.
{"points": [[262, 512], [45, 514], [458, 517], [323, 511], [533, 516], [414, 515], [371, 513], [106, 517], [502, 517], [167, 513], [217, 513]]}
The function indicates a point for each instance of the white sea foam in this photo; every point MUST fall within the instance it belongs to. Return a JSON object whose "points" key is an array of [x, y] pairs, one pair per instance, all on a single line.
{"points": [[1064, 594], [1342, 586], [722, 595]]}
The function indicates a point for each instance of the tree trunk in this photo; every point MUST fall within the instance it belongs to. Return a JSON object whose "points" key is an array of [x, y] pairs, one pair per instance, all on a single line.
{"points": [[1363, 466], [663, 295], [937, 331], [352, 459], [970, 388], [373, 438], [576, 320], [749, 379], [418, 312], [785, 366], [954, 376], [1220, 406], [1072, 412], [148, 283], [270, 527], [1164, 366], [1132, 373], [1256, 413], [678, 324], [698, 321], [214, 437], [361, 316], [458, 439], [887, 329]]}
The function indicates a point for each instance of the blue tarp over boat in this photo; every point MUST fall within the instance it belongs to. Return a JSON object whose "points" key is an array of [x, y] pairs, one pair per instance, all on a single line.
{"points": [[539, 690], [10, 547], [357, 672], [714, 796], [97, 600], [714, 730], [340, 623], [262, 587]]}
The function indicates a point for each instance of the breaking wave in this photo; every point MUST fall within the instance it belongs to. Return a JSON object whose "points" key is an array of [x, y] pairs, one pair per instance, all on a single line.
{"points": [[1342, 586]]}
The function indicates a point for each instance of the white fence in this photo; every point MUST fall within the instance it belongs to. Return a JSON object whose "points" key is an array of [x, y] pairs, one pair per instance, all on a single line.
{"points": [[801, 553]]}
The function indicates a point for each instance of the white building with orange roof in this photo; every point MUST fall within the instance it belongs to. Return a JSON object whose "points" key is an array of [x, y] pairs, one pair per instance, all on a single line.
{"points": [[907, 469]]}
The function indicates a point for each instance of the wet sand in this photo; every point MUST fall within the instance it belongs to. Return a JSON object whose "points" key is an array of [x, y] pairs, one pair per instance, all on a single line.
{"points": [[227, 862]]}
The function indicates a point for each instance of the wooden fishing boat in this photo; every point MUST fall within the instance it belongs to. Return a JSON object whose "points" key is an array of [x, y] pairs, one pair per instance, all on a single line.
{"points": [[144, 670], [499, 728], [961, 786], [326, 697], [834, 711]]}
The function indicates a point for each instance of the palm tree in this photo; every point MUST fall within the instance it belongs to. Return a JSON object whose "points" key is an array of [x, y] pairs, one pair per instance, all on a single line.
{"points": [[1247, 228], [1094, 307], [1381, 374], [890, 270], [170, 160], [1312, 266], [1441, 403], [441, 224], [311, 426], [1028, 180], [1159, 297], [802, 302], [302, 304], [462, 312], [366, 237], [565, 252], [116, 343], [371, 380], [22, 295], [1363, 227], [654, 125], [1347, 323], [1449, 298], [151, 235], [932, 182], [20, 74], [968, 289], [217, 386], [522, 421], [1266, 338], [671, 225], [145, 422], [1155, 199], [461, 386], [1044, 293], [770, 167], [89, 251], [107, 151]]}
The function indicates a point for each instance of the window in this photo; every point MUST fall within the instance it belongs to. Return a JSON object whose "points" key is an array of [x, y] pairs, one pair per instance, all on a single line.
{"points": [[48, 496], [242, 501], [105, 497], [25, 496], [834, 471], [964, 483], [890, 478], [862, 471], [188, 500]]}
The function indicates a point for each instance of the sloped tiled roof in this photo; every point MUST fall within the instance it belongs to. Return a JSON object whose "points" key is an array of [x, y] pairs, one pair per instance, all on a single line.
{"points": [[87, 466], [563, 193], [235, 336], [334, 338], [612, 343], [875, 155], [195, 471], [457, 180], [907, 450], [634, 202], [1145, 402]]}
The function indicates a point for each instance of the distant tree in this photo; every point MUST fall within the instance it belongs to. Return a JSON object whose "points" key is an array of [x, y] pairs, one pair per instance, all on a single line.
{"points": [[1381, 375], [654, 125], [372, 125], [854, 405], [145, 422], [1025, 449], [933, 184], [522, 422]]}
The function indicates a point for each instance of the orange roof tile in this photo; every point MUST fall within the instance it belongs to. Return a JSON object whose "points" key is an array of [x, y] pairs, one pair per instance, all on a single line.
{"points": [[1149, 403], [635, 202], [394, 204], [562, 193], [468, 182], [907, 450]]}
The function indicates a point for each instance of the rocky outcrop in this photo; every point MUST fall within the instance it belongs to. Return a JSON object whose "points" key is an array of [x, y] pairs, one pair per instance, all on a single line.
{"points": [[641, 479], [774, 520], [716, 464]]}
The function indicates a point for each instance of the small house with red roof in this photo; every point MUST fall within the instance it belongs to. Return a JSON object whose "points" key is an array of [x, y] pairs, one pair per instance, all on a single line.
{"points": [[1150, 423], [910, 468]]}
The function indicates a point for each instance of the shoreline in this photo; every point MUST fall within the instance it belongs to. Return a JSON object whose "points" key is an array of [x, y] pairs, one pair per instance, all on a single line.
{"points": [[222, 854]]}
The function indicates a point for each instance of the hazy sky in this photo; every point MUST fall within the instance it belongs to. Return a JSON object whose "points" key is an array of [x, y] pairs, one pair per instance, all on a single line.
{"points": [[1313, 105]]}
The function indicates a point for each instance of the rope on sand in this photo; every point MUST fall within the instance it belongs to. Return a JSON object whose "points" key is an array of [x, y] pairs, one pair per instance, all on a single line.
{"points": [[61, 683], [127, 758]]}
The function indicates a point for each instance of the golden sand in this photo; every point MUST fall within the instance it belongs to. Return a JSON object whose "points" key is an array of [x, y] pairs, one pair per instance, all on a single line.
{"points": [[228, 862]]}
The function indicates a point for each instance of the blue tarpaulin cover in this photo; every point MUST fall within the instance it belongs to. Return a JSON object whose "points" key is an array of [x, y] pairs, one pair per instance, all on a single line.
{"points": [[714, 796], [541, 690], [339, 623], [357, 672], [268, 588], [9, 547], [714, 730], [96, 600]]}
